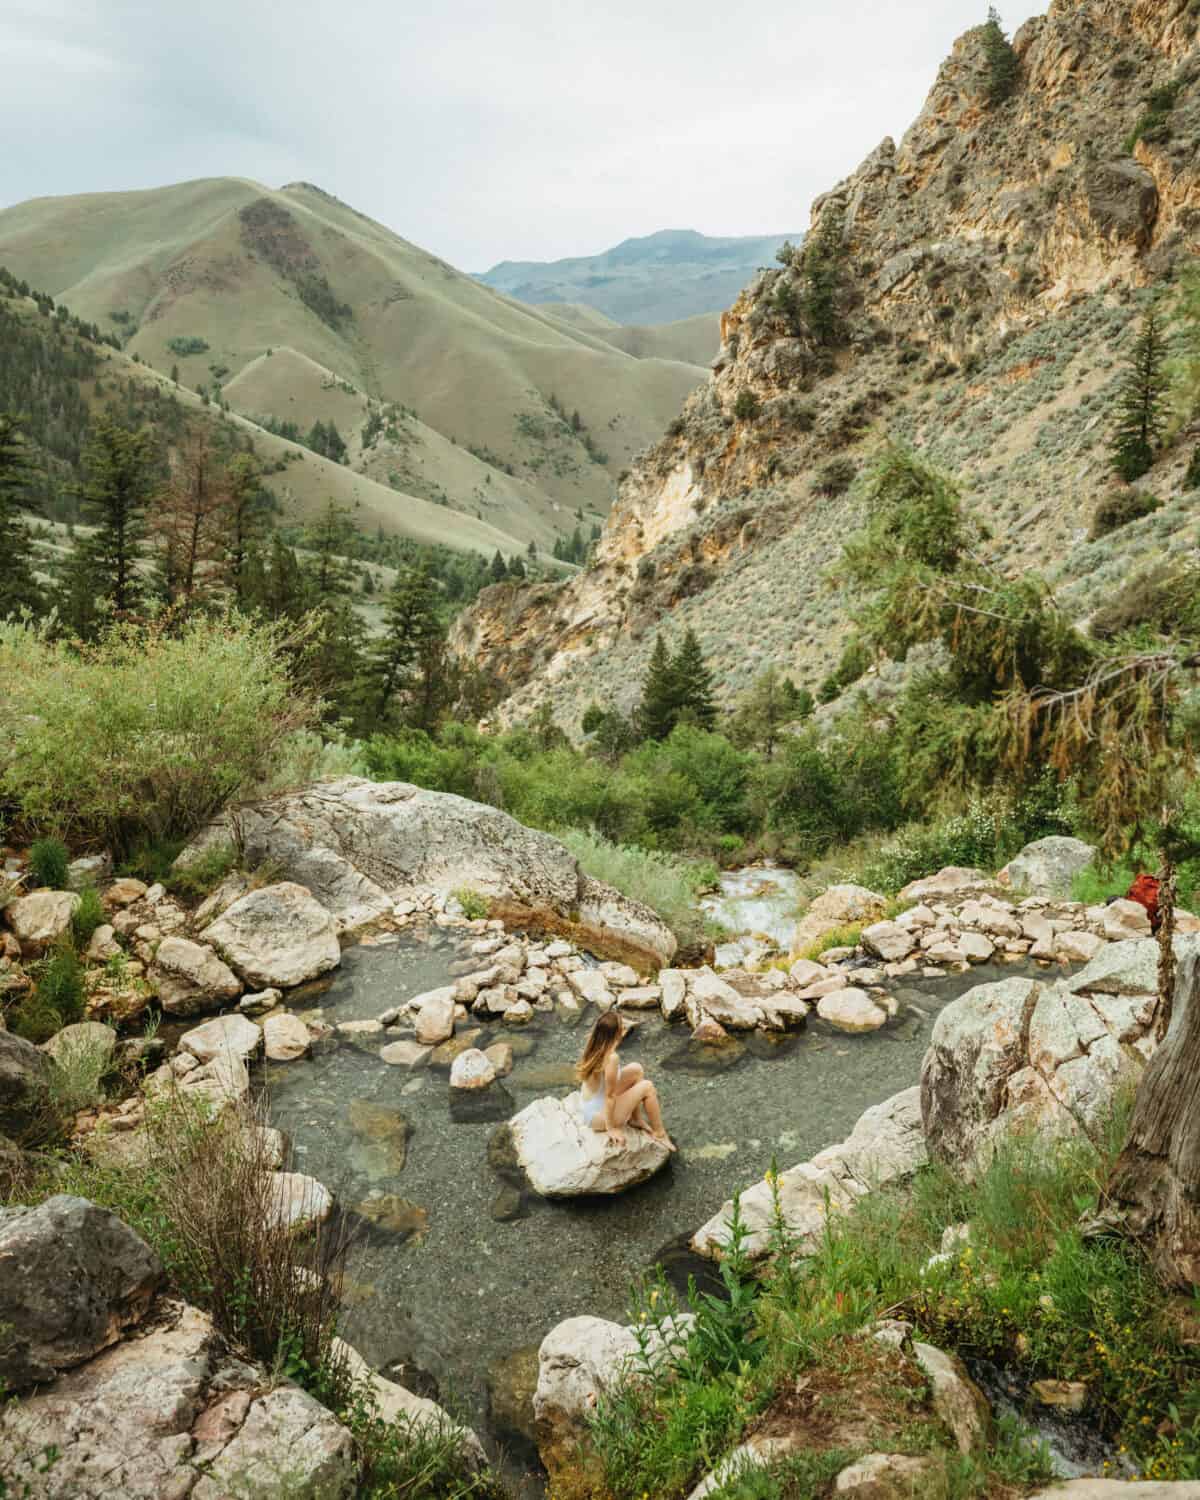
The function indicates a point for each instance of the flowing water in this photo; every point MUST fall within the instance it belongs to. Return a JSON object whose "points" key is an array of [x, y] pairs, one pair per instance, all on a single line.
{"points": [[760, 907], [458, 1269]]}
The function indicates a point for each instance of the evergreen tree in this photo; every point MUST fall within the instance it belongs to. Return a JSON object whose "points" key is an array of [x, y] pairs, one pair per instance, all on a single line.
{"points": [[1002, 66], [659, 708], [693, 684], [516, 568], [411, 630], [118, 484], [19, 589], [499, 568], [329, 573], [1141, 404], [245, 524]]}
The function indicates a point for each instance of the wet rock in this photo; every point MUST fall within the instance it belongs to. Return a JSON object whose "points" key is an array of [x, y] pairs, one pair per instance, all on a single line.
{"points": [[285, 1037], [472, 1070], [709, 1032], [851, 1010], [500, 1055], [512, 1382], [565, 1158], [508, 1204], [278, 936], [462, 1041], [38, 920], [956, 1398], [519, 1014], [366, 1028], [405, 1054], [233, 1034], [190, 978], [384, 1128], [1048, 867], [74, 1278], [394, 1214]]}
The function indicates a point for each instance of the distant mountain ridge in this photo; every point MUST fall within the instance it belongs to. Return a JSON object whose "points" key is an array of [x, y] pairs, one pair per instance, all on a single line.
{"points": [[655, 278]]}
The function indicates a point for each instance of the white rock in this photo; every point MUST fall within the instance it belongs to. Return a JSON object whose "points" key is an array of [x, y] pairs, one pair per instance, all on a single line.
{"points": [[394, 1403], [103, 944], [956, 1398], [223, 1034], [1077, 947], [883, 1473], [839, 906], [1125, 919], [564, 1158], [252, 1005], [641, 997], [285, 1037], [887, 940], [591, 986], [851, 1010], [296, 1201], [519, 1014], [368, 1027], [500, 1055], [674, 992], [39, 919], [975, 947], [434, 1012], [1048, 866], [471, 1069]]}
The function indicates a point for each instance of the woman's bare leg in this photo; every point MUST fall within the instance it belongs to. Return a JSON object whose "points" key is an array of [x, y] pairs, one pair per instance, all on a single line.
{"points": [[642, 1095], [630, 1074]]}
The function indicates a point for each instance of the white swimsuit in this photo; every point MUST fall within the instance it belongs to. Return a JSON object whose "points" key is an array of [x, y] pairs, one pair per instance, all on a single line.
{"points": [[591, 1105]]}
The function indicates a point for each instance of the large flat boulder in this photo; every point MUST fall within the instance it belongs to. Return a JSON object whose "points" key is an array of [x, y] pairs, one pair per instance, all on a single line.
{"points": [[564, 1158], [173, 1414], [72, 1278], [279, 936], [360, 846], [223, 1034], [1048, 866], [190, 979], [886, 1144]]}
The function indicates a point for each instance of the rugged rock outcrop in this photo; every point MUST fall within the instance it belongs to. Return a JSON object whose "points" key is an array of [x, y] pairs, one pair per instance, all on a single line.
{"points": [[565, 1158], [1022, 1054], [885, 1145], [26, 1076], [1048, 866], [361, 846], [987, 259]]}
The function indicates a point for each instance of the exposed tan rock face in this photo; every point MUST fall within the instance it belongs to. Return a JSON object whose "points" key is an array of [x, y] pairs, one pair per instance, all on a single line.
{"points": [[979, 228]]}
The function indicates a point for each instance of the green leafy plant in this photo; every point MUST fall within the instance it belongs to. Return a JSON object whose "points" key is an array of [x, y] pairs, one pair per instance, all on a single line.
{"points": [[1119, 507], [48, 861], [86, 917], [474, 905]]}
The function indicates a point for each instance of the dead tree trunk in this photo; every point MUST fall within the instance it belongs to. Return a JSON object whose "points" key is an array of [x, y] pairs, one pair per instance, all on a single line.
{"points": [[1154, 1191]]}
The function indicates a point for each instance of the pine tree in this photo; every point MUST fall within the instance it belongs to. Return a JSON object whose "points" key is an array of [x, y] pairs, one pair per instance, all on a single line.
{"points": [[1002, 66], [659, 708], [822, 297], [119, 470], [411, 629], [244, 525], [329, 574], [19, 589], [1141, 404], [499, 568], [693, 684]]}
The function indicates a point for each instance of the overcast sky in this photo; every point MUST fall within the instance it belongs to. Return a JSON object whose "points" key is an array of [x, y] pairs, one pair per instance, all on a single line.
{"points": [[482, 131]]}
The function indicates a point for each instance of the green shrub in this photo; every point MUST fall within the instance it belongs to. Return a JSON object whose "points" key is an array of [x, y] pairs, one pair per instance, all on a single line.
{"points": [[668, 885], [835, 477], [147, 735], [474, 905], [57, 999], [185, 344], [747, 406], [86, 917], [192, 881], [1119, 508], [1191, 480], [48, 861]]}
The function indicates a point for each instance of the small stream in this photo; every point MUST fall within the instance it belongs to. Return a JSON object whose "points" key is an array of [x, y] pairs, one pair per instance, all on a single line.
{"points": [[759, 907], [458, 1273]]}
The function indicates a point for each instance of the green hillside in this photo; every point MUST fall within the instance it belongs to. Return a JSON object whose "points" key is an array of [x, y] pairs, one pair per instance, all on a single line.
{"points": [[218, 279], [693, 340]]}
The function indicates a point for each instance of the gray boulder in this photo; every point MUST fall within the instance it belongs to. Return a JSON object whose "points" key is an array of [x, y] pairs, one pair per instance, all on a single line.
{"points": [[278, 936], [360, 846], [190, 979], [74, 1276], [1048, 866], [26, 1075], [40, 918]]}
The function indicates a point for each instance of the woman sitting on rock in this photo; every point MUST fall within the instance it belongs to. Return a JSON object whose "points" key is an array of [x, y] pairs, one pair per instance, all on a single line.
{"points": [[613, 1095]]}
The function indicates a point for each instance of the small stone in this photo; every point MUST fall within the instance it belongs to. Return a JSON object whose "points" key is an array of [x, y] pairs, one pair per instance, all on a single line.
{"points": [[500, 1055], [264, 1000], [1077, 947], [508, 1205], [296, 1201], [435, 1016], [673, 984], [519, 1014], [359, 1028], [1066, 1395], [642, 997], [975, 947], [223, 1034], [851, 1010], [709, 1031], [125, 892], [103, 945]]}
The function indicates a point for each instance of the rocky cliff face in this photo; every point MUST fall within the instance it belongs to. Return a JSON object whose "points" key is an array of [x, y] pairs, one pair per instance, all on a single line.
{"points": [[993, 264]]}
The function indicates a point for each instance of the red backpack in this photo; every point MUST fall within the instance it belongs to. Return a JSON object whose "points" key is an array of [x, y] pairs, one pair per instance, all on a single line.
{"points": [[1144, 891]]}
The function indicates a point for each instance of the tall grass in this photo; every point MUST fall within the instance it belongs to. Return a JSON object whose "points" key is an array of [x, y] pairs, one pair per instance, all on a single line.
{"points": [[667, 883]]}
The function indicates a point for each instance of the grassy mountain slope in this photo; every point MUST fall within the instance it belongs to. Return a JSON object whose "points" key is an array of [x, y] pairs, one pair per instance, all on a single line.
{"points": [[57, 379], [658, 278], [231, 270], [994, 267], [694, 340]]}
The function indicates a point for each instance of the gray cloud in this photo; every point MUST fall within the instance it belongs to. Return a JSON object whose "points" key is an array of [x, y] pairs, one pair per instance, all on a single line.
{"points": [[525, 130]]}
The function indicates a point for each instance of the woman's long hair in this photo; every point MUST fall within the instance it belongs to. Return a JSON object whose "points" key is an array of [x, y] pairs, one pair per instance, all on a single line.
{"points": [[604, 1036]]}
